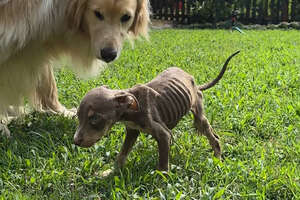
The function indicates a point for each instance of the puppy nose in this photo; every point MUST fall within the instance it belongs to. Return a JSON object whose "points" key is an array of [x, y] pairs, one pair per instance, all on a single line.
{"points": [[108, 54], [77, 141]]}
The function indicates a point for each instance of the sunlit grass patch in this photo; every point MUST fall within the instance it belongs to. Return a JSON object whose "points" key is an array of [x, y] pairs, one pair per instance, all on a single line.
{"points": [[255, 109]]}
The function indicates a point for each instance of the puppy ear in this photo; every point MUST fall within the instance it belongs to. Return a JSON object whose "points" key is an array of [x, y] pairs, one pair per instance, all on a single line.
{"points": [[126, 101], [141, 19], [75, 13]]}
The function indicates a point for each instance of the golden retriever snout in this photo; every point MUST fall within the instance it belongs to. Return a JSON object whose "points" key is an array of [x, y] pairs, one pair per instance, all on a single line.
{"points": [[108, 54]]}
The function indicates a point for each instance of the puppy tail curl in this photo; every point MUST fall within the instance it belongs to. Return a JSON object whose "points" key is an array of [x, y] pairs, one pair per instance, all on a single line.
{"points": [[216, 80]]}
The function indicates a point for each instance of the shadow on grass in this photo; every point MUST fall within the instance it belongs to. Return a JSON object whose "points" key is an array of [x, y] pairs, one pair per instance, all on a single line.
{"points": [[128, 180], [39, 132], [42, 144]]}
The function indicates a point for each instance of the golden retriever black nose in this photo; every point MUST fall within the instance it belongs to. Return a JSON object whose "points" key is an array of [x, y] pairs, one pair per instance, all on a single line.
{"points": [[108, 54]]}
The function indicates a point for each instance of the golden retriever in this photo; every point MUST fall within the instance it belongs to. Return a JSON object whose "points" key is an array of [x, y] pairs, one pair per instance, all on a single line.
{"points": [[33, 33]]}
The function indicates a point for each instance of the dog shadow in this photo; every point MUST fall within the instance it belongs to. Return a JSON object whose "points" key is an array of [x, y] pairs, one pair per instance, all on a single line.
{"points": [[38, 132], [40, 135]]}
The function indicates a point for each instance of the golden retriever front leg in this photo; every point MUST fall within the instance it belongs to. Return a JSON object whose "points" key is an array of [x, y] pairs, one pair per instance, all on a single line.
{"points": [[46, 96]]}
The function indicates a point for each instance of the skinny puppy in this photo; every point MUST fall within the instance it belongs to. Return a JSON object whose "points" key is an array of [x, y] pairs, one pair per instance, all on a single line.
{"points": [[153, 108]]}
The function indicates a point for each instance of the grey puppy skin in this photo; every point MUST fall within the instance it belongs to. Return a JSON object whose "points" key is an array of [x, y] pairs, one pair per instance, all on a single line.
{"points": [[153, 108]]}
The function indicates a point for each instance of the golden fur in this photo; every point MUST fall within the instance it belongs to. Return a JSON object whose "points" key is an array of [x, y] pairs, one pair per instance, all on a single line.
{"points": [[33, 33]]}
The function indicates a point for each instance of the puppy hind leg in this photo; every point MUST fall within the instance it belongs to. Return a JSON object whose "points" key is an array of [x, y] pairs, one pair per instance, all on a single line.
{"points": [[203, 126]]}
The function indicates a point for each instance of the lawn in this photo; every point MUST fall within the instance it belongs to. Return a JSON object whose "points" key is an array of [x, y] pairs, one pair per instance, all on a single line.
{"points": [[255, 109]]}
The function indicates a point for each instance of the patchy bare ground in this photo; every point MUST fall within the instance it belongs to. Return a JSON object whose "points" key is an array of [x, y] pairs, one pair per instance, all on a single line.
{"points": [[161, 24]]}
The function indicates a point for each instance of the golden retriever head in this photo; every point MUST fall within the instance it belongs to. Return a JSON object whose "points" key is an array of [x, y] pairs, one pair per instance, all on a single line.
{"points": [[109, 22]]}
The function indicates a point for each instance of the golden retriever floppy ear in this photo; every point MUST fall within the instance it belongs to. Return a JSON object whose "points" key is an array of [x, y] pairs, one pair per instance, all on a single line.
{"points": [[141, 19], [75, 13]]}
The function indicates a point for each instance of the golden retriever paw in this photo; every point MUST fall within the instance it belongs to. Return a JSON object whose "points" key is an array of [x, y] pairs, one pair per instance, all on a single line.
{"points": [[107, 173], [69, 112], [61, 111], [4, 130]]}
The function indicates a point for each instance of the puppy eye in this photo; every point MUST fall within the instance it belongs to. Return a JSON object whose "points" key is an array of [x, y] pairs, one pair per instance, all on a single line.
{"points": [[94, 119], [99, 15], [125, 18], [97, 121]]}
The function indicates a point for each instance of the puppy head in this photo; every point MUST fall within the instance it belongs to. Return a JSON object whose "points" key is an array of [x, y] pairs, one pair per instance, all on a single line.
{"points": [[109, 22], [98, 111]]}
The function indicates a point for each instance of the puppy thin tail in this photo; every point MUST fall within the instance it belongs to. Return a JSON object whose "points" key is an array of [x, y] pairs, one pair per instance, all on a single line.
{"points": [[216, 80]]}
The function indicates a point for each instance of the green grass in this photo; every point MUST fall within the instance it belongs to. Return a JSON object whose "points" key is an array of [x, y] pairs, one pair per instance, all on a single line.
{"points": [[255, 109]]}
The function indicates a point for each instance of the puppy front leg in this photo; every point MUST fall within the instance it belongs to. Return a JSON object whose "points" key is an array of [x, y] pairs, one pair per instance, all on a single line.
{"points": [[163, 137], [130, 139]]}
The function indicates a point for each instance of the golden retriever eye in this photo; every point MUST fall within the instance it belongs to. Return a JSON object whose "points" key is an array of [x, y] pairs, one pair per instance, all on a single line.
{"points": [[99, 15], [125, 18]]}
